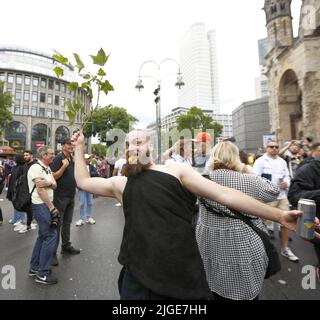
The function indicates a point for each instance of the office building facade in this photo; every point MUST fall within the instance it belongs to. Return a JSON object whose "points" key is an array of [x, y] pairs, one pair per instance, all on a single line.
{"points": [[199, 66], [39, 107]]}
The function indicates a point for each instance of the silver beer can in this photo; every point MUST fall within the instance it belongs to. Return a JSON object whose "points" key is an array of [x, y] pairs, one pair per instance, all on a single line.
{"points": [[305, 227]]}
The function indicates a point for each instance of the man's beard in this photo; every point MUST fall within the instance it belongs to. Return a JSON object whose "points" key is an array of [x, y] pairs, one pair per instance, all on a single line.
{"points": [[135, 165]]}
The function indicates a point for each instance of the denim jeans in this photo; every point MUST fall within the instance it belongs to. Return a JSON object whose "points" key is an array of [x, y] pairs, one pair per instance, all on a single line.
{"points": [[18, 216], [46, 241], [85, 197]]}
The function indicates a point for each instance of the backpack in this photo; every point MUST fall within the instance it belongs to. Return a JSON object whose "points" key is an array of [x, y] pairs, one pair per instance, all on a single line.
{"points": [[21, 196]]}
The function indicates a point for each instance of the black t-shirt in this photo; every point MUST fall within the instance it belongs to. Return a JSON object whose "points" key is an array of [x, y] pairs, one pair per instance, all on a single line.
{"points": [[66, 184]]}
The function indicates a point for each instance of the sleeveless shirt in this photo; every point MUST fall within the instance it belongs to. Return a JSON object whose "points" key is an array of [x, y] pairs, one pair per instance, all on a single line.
{"points": [[159, 245]]}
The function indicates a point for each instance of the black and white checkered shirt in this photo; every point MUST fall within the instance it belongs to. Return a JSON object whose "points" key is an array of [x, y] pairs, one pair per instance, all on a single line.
{"points": [[233, 254]]}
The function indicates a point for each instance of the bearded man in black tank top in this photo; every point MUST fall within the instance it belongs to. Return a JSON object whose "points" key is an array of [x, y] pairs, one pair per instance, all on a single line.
{"points": [[158, 252]]}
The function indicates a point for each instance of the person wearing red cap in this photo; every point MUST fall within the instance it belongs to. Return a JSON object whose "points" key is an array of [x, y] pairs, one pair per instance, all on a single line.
{"points": [[203, 143]]}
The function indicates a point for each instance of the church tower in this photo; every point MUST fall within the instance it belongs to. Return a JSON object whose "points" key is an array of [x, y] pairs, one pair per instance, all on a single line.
{"points": [[279, 23]]}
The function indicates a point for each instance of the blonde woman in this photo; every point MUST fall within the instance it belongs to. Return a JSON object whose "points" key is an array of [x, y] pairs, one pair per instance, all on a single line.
{"points": [[233, 254]]}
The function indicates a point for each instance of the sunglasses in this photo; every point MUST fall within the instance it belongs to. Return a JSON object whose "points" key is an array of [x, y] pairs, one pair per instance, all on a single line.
{"points": [[273, 147]]}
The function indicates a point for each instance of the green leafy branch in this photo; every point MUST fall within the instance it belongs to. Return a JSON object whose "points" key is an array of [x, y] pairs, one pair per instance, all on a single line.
{"points": [[99, 79]]}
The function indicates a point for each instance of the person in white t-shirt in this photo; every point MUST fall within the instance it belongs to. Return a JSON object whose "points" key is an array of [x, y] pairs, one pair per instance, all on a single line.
{"points": [[41, 185], [274, 168]]}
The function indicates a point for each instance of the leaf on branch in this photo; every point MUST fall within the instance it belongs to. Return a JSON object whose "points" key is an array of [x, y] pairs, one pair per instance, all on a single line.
{"points": [[58, 71], [101, 58], [106, 86], [85, 76], [86, 86], [73, 86], [101, 72], [79, 64], [60, 58]]}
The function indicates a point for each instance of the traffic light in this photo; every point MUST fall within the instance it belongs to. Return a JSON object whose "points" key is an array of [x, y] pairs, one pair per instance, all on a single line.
{"points": [[157, 94], [94, 128]]}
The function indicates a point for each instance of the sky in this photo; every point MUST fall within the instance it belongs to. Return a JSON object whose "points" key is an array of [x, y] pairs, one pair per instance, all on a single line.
{"points": [[133, 32]]}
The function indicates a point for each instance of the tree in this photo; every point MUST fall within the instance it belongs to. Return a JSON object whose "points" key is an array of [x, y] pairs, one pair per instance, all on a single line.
{"points": [[107, 118], [195, 119], [99, 150], [5, 105]]}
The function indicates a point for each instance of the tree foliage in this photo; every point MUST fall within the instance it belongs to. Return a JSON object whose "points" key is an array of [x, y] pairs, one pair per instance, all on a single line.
{"points": [[90, 81], [195, 119], [107, 118], [5, 105], [99, 149]]}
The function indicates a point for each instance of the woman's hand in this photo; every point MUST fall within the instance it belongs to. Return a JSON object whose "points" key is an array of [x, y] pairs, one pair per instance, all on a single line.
{"points": [[289, 219], [317, 226]]}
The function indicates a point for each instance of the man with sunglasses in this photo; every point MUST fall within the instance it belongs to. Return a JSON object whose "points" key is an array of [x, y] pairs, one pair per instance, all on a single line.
{"points": [[272, 167]]}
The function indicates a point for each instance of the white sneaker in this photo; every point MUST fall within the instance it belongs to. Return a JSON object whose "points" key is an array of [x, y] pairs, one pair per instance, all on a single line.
{"points": [[79, 223], [289, 254], [91, 221], [25, 229], [17, 223], [118, 204], [33, 226], [19, 227]]}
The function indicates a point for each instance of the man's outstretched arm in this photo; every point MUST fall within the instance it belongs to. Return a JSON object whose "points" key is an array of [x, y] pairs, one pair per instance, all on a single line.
{"points": [[112, 187]]}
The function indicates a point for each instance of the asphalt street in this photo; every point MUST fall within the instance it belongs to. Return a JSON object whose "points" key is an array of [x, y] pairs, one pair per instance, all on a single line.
{"points": [[93, 274]]}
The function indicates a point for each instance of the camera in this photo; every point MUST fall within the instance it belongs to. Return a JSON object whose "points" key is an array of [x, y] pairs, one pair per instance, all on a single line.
{"points": [[55, 218]]}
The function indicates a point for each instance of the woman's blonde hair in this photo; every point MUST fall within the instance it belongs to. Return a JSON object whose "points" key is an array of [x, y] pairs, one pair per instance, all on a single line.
{"points": [[225, 155]]}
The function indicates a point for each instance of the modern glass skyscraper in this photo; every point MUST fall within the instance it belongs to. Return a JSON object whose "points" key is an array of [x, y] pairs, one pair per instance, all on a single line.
{"points": [[198, 60]]}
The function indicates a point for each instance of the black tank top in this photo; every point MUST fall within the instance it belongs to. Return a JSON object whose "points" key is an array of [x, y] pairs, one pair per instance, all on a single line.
{"points": [[159, 245]]}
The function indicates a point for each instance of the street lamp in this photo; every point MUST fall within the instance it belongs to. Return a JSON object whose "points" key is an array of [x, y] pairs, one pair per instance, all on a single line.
{"points": [[139, 86]]}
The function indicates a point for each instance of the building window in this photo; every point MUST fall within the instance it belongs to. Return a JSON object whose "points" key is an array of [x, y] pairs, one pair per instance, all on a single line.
{"points": [[19, 79], [62, 102], [42, 112], [57, 86], [26, 95], [49, 98], [56, 100], [25, 111], [42, 97], [43, 83], [16, 110], [49, 113], [56, 114], [35, 81], [50, 85], [62, 115], [18, 95], [2, 76], [27, 80], [285, 27], [34, 111], [34, 96], [10, 78]]}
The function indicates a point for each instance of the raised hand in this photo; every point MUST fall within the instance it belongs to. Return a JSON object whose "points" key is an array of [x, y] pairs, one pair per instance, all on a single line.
{"points": [[77, 138]]}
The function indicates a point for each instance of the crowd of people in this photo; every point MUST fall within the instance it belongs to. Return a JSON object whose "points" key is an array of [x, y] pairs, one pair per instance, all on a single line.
{"points": [[187, 242]]}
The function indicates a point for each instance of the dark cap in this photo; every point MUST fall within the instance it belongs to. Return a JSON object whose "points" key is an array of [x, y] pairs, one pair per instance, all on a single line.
{"points": [[66, 141]]}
